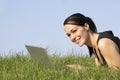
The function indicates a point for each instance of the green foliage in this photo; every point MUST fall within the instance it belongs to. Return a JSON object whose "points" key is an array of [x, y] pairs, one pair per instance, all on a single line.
{"points": [[24, 68]]}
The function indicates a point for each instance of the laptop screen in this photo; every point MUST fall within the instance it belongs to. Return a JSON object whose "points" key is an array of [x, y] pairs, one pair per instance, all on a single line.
{"points": [[39, 54]]}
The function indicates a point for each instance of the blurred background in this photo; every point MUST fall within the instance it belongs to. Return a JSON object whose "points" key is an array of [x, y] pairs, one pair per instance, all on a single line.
{"points": [[40, 23]]}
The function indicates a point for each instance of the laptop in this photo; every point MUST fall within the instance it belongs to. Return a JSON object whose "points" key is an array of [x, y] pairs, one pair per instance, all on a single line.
{"points": [[39, 54]]}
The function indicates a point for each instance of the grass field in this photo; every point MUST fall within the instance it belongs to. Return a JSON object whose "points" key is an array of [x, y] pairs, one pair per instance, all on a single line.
{"points": [[19, 67]]}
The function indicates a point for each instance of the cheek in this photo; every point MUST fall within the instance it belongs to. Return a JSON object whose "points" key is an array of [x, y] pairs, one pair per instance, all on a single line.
{"points": [[83, 35]]}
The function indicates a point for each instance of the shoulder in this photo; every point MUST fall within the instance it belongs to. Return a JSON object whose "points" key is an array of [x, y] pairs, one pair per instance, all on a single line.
{"points": [[107, 46], [104, 42], [105, 38]]}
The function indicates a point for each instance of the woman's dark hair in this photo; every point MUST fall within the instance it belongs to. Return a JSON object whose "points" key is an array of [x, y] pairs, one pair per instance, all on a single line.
{"points": [[79, 19]]}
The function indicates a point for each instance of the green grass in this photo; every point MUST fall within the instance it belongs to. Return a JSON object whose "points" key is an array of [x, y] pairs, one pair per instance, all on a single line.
{"points": [[24, 68]]}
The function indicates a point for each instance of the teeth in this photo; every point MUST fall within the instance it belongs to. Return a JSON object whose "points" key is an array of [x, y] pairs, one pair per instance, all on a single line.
{"points": [[77, 40]]}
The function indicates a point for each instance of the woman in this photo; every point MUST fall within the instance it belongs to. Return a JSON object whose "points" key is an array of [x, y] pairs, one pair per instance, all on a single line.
{"points": [[105, 46]]}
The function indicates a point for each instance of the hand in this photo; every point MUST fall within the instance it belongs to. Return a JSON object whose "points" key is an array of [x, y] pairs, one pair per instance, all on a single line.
{"points": [[74, 66]]}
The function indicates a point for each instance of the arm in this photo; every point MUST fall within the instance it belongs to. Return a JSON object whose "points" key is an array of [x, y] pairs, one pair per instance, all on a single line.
{"points": [[74, 66], [97, 62], [110, 52]]}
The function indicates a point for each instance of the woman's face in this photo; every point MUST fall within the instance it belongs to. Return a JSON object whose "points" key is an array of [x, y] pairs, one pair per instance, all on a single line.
{"points": [[77, 34]]}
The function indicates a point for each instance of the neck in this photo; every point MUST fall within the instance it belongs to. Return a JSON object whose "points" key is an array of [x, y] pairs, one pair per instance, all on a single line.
{"points": [[92, 40]]}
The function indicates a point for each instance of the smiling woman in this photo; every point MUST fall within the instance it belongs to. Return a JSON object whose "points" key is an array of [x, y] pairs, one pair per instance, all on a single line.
{"points": [[78, 21], [82, 31]]}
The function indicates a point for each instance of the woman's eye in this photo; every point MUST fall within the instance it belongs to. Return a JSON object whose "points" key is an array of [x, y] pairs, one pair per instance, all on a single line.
{"points": [[73, 31], [68, 35]]}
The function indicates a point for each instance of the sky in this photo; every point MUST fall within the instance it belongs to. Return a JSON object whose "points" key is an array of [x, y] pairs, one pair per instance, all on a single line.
{"points": [[40, 23]]}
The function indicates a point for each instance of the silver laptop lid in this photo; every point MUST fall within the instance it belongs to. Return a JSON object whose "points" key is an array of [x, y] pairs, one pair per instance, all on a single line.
{"points": [[39, 54]]}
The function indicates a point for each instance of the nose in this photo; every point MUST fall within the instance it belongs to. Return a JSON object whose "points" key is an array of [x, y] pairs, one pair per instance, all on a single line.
{"points": [[72, 37]]}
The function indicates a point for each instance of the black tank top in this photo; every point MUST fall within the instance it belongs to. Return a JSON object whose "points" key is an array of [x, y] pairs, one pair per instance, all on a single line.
{"points": [[109, 35]]}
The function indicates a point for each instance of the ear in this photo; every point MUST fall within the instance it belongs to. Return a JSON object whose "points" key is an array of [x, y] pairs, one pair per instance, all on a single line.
{"points": [[86, 26]]}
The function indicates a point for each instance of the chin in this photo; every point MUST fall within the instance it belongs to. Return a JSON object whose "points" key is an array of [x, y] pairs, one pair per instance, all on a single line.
{"points": [[80, 45]]}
